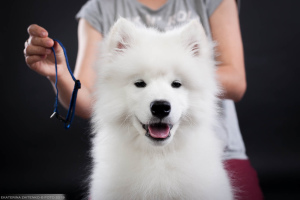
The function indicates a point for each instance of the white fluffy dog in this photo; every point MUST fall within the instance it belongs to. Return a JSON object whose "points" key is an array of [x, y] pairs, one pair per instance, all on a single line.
{"points": [[153, 117]]}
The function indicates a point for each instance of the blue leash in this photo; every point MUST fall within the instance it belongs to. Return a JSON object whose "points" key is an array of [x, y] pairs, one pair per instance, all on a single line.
{"points": [[70, 115]]}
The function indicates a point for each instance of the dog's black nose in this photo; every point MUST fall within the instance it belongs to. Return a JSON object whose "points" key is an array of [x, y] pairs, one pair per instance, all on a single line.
{"points": [[160, 109]]}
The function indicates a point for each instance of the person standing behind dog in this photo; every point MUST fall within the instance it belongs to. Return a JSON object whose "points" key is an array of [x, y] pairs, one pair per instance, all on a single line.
{"points": [[221, 22]]}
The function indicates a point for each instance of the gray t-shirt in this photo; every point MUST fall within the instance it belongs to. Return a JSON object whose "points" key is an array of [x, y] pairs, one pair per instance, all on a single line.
{"points": [[102, 14]]}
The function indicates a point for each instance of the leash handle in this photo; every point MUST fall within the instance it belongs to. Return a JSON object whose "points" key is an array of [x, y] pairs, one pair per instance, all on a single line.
{"points": [[77, 85]]}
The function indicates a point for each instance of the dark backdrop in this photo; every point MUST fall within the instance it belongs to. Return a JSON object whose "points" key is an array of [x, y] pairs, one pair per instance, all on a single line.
{"points": [[38, 156]]}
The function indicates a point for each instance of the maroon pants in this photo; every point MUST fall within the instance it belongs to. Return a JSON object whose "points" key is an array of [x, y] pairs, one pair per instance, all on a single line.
{"points": [[244, 179]]}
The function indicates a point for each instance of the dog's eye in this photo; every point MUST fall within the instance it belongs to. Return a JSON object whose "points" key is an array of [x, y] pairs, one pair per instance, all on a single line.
{"points": [[140, 84], [176, 84]]}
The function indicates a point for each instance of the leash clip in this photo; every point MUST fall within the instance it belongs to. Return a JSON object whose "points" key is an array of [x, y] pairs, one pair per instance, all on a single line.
{"points": [[59, 117]]}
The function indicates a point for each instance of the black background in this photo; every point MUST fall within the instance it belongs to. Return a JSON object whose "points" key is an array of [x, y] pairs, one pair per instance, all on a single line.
{"points": [[38, 156]]}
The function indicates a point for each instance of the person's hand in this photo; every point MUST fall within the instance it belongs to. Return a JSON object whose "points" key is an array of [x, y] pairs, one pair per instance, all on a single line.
{"points": [[38, 53]]}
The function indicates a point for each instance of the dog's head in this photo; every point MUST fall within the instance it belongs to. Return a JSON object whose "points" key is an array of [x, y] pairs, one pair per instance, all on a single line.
{"points": [[154, 83]]}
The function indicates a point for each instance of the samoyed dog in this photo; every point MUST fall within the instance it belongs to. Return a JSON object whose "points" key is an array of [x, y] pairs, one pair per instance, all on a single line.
{"points": [[154, 111]]}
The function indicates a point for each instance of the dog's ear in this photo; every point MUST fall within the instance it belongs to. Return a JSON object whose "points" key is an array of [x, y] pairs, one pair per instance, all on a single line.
{"points": [[194, 38], [121, 35]]}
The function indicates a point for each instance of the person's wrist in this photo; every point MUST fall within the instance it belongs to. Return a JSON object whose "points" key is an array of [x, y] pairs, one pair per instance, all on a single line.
{"points": [[61, 73]]}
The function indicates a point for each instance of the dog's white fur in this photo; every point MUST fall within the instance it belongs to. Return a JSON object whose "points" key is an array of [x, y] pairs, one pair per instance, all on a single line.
{"points": [[129, 165]]}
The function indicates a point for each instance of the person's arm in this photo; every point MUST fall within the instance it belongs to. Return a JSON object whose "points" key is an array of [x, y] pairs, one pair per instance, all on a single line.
{"points": [[226, 32], [39, 58]]}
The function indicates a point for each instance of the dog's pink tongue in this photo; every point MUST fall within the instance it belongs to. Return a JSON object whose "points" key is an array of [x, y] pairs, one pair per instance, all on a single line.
{"points": [[159, 130]]}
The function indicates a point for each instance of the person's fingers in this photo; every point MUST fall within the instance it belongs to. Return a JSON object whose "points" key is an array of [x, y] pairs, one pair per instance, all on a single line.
{"points": [[36, 30], [30, 60], [44, 42], [36, 50], [26, 43]]}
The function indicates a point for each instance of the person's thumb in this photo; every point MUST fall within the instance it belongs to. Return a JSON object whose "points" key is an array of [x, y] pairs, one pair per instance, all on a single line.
{"points": [[59, 53]]}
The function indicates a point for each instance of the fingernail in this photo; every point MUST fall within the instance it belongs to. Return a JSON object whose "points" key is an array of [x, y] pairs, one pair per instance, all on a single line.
{"points": [[49, 42], [44, 34]]}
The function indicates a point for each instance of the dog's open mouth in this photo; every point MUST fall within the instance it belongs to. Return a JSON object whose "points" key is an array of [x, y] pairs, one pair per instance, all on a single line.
{"points": [[158, 131]]}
